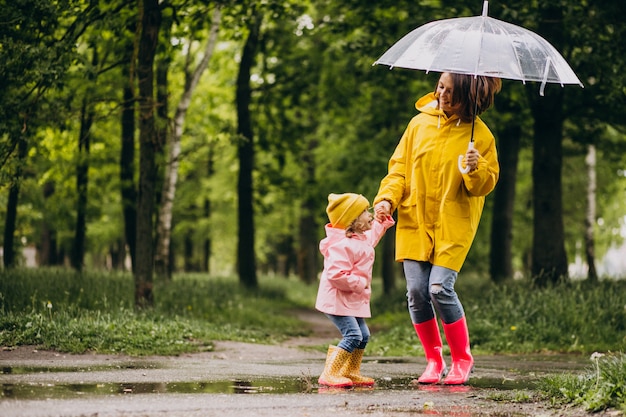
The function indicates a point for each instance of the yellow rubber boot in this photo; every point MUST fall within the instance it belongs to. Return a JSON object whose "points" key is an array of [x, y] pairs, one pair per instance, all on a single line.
{"points": [[335, 360], [352, 370]]}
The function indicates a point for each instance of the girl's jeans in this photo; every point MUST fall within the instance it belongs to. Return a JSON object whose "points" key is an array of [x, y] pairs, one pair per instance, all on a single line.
{"points": [[354, 331], [431, 286]]}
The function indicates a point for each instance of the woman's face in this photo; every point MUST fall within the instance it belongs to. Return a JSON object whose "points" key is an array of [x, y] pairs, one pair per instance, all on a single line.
{"points": [[444, 93]]}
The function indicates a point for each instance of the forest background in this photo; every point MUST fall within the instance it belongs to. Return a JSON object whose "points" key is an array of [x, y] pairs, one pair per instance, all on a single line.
{"points": [[201, 136]]}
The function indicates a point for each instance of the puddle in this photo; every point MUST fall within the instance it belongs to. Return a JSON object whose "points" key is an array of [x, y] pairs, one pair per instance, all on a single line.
{"points": [[47, 390], [474, 383], [23, 370], [29, 391]]}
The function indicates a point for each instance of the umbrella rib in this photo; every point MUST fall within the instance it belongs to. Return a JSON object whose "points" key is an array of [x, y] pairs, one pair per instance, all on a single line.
{"points": [[518, 61], [480, 44]]}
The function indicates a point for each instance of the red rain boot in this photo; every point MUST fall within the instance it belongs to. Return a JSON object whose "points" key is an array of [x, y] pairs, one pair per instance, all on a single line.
{"points": [[428, 333], [457, 336]]}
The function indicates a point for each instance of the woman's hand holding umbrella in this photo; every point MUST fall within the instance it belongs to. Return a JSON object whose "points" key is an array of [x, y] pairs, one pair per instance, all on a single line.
{"points": [[471, 160]]}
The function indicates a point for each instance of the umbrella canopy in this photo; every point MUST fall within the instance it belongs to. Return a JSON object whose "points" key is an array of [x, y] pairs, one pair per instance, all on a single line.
{"points": [[481, 45]]}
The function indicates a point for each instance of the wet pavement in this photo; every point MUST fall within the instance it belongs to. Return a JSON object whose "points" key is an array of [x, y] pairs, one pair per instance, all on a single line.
{"points": [[239, 379]]}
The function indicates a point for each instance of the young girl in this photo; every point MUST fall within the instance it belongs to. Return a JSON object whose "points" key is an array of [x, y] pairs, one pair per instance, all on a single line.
{"points": [[345, 285]]}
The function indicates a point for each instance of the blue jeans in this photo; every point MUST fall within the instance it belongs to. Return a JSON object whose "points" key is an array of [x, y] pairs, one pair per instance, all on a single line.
{"points": [[355, 332], [431, 287]]}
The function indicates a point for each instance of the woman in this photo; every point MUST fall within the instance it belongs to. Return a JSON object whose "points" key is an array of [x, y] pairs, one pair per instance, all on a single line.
{"points": [[439, 209]]}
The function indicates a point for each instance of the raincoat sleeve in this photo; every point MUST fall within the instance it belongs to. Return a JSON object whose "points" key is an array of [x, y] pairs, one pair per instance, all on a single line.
{"points": [[378, 230], [341, 272], [483, 179]]}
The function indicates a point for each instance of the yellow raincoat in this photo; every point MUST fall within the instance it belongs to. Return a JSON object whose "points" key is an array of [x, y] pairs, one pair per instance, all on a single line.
{"points": [[438, 207]]}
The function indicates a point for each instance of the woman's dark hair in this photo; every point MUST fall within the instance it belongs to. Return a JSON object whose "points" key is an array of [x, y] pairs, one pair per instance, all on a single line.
{"points": [[464, 96]]}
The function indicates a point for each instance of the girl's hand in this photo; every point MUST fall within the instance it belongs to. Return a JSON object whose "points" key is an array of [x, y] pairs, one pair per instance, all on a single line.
{"points": [[382, 210]]}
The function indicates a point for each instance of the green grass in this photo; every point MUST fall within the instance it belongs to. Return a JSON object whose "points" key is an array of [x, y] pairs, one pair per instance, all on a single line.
{"points": [[602, 387], [63, 310], [70, 312], [516, 318]]}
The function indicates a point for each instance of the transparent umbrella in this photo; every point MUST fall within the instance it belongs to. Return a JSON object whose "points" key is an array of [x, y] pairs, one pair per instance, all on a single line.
{"points": [[480, 45]]}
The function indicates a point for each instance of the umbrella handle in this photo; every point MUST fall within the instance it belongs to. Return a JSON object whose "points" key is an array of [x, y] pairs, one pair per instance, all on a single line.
{"points": [[460, 161]]}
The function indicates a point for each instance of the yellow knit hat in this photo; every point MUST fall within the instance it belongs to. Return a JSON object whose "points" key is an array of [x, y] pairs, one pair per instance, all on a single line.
{"points": [[343, 209]]}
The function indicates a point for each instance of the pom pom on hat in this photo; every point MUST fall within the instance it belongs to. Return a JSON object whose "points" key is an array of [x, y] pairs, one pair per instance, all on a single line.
{"points": [[343, 209]]}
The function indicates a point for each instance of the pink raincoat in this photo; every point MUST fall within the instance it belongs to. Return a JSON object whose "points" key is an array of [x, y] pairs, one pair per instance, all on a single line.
{"points": [[345, 284]]}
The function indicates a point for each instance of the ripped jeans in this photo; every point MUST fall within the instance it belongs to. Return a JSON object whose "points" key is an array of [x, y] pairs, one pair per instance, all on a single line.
{"points": [[429, 288]]}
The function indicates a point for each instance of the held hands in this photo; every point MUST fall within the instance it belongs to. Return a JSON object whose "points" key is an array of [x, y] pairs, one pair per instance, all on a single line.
{"points": [[471, 158], [382, 210]]}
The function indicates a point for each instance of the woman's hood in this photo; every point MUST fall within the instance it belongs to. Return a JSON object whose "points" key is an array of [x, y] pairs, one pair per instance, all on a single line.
{"points": [[428, 104]]}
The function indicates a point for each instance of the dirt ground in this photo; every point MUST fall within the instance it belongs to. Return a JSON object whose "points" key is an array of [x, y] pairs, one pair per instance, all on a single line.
{"points": [[50, 384]]}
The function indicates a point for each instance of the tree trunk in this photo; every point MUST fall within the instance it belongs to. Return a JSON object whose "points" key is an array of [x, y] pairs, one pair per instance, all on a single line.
{"points": [[161, 254], [246, 259], [127, 166], [307, 253], [48, 246], [590, 219], [148, 142], [164, 230], [188, 251], [117, 253], [11, 218], [549, 260], [500, 256], [307, 257], [206, 261], [206, 246], [82, 177]]}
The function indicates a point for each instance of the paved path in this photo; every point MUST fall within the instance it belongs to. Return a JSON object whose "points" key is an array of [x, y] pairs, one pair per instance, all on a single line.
{"points": [[242, 380]]}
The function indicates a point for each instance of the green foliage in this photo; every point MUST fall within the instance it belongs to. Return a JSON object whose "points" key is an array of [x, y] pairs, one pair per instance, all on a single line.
{"points": [[71, 312], [319, 106], [602, 387], [59, 309], [123, 331], [515, 396]]}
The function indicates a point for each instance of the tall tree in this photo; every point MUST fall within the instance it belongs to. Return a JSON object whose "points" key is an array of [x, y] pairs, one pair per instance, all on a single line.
{"points": [[87, 114], [48, 250], [150, 18], [246, 259], [309, 249], [128, 189], [509, 132], [549, 260], [192, 77], [590, 218], [9, 258]]}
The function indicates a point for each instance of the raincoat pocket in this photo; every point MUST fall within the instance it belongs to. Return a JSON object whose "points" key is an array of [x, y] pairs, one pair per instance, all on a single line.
{"points": [[353, 300], [407, 214], [457, 209]]}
